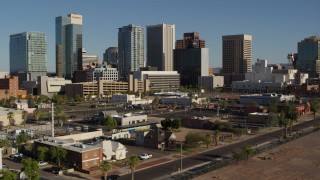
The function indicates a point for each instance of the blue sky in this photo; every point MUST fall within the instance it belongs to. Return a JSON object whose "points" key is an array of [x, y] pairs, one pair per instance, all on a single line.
{"points": [[276, 26]]}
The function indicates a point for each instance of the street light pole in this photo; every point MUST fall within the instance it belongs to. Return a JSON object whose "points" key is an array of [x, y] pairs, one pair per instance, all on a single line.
{"points": [[181, 156]]}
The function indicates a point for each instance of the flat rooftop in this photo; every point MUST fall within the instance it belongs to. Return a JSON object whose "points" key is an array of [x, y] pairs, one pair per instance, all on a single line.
{"points": [[68, 144]]}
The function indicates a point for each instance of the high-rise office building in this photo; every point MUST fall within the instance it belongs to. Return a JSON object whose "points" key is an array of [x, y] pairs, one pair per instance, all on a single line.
{"points": [[191, 63], [28, 55], [160, 45], [111, 56], [191, 60], [131, 49], [236, 56], [190, 40], [68, 43], [309, 56]]}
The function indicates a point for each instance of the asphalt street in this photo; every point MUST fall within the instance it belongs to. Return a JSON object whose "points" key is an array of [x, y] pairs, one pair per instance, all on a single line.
{"points": [[162, 171]]}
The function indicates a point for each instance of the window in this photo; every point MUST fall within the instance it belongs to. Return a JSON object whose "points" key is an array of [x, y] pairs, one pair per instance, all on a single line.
{"points": [[94, 153], [86, 164], [95, 162], [86, 156]]}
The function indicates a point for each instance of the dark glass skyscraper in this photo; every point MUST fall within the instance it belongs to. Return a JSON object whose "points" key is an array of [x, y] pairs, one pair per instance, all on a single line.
{"points": [[28, 55], [309, 56], [68, 43]]}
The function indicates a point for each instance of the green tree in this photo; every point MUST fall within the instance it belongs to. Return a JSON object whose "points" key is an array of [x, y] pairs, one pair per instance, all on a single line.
{"points": [[8, 175], [155, 103], [134, 161], [24, 117], [31, 168], [58, 153], [105, 167], [247, 151], [284, 122], [109, 122], [78, 98], [237, 155], [193, 140], [216, 136], [176, 124], [30, 100], [37, 114], [272, 119], [2, 102], [273, 106], [22, 139], [315, 108], [10, 117], [206, 139], [60, 115], [42, 152], [291, 114], [166, 123]]}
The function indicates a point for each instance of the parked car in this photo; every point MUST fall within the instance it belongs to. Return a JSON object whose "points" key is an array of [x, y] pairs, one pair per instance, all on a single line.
{"points": [[17, 155], [145, 156], [42, 163]]}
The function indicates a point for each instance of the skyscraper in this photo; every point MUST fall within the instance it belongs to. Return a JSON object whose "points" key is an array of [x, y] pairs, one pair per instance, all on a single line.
{"points": [[111, 56], [236, 56], [68, 43], [160, 45], [309, 56], [131, 49], [191, 61], [190, 40], [28, 55]]}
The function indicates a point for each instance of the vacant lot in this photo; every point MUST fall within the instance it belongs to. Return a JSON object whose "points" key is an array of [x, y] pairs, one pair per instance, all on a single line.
{"points": [[298, 159]]}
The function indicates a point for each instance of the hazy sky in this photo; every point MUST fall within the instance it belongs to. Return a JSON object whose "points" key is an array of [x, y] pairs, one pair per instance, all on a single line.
{"points": [[276, 26]]}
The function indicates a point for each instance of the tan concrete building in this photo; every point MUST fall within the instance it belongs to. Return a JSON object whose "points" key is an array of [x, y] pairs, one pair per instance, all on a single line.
{"points": [[100, 87]]}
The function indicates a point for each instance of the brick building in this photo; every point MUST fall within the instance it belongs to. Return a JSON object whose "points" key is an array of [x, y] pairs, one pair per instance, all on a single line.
{"points": [[9, 86], [82, 157]]}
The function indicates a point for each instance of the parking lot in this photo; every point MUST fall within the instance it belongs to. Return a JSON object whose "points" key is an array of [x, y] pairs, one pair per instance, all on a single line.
{"points": [[133, 150]]}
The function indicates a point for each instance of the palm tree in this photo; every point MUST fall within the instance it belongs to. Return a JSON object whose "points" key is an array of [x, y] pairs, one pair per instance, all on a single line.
{"points": [[105, 167], [216, 135], [6, 92], [134, 161], [24, 117], [37, 115], [10, 117], [315, 107]]}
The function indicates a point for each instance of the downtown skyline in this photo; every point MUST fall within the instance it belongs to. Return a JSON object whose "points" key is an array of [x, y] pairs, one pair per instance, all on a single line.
{"points": [[276, 27]]}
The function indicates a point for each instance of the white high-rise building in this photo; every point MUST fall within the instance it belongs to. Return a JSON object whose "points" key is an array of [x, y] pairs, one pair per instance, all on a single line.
{"points": [[131, 49], [160, 45]]}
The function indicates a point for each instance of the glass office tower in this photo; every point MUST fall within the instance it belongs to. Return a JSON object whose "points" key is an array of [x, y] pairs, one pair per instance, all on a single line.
{"points": [[131, 49], [309, 56], [28, 55], [68, 42]]}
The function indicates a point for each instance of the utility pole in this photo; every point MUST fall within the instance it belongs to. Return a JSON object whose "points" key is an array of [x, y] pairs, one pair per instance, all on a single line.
{"points": [[52, 120], [181, 156]]}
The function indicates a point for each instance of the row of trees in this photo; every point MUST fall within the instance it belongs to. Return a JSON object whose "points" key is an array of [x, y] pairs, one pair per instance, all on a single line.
{"points": [[194, 140], [133, 162], [169, 123], [53, 153]]}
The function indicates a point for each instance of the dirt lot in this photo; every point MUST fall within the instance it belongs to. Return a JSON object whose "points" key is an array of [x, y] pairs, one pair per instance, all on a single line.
{"points": [[298, 159]]}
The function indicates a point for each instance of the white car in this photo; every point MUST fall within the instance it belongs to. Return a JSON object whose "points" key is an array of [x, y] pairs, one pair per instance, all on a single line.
{"points": [[42, 163], [145, 156]]}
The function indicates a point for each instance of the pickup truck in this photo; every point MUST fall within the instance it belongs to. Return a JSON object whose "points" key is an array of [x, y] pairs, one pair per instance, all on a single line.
{"points": [[145, 156]]}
